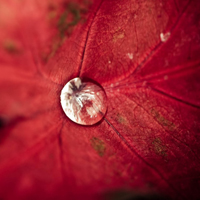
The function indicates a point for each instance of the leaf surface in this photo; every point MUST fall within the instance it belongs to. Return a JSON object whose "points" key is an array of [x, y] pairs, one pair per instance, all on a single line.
{"points": [[146, 56]]}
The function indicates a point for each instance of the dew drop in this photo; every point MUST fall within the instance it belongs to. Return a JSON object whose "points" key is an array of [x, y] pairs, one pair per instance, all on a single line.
{"points": [[130, 55], [164, 37], [83, 101]]}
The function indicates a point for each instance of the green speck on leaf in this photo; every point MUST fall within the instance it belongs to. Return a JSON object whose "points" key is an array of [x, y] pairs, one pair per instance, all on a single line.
{"points": [[64, 24], [10, 47], [121, 119], [98, 145], [119, 34], [163, 121], [52, 15], [159, 147], [64, 19]]}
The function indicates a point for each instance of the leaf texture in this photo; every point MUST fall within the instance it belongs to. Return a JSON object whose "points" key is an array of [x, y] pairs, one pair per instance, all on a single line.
{"points": [[146, 56]]}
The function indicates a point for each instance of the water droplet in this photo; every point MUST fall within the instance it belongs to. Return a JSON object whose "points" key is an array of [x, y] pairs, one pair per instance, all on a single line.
{"points": [[83, 101], [164, 37], [130, 55]]}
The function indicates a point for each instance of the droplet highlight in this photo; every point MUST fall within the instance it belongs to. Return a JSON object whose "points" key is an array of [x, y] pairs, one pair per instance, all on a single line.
{"points": [[83, 101]]}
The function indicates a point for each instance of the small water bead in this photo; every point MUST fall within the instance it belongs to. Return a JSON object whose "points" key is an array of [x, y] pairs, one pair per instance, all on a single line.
{"points": [[164, 36], [83, 101]]}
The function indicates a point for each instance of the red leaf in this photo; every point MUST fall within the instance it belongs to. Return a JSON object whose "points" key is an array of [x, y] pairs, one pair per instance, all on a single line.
{"points": [[146, 56]]}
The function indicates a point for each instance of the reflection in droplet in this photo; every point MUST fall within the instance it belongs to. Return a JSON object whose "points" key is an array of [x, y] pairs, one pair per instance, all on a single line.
{"points": [[84, 102]]}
